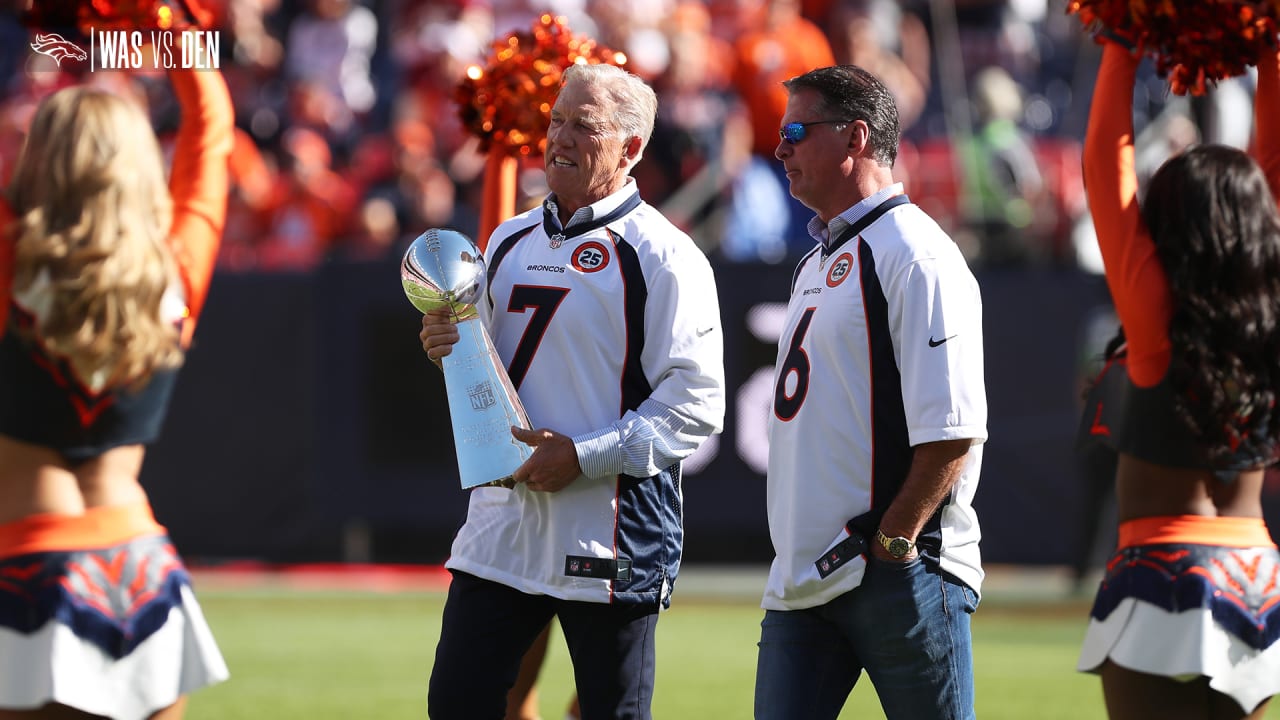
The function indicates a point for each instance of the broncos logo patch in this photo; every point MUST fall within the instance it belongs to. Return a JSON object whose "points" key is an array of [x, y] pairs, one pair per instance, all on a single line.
{"points": [[57, 47]]}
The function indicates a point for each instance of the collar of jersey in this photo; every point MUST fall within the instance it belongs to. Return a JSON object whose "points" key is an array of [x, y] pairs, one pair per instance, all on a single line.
{"points": [[864, 222], [552, 227]]}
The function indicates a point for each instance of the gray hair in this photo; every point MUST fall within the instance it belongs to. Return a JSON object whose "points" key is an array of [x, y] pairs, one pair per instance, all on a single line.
{"points": [[635, 103]]}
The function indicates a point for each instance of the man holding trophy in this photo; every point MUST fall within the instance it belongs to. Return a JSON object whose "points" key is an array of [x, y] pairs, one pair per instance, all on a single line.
{"points": [[607, 320]]}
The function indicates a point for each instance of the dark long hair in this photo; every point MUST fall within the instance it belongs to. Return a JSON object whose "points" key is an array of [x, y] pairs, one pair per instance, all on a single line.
{"points": [[1214, 222]]}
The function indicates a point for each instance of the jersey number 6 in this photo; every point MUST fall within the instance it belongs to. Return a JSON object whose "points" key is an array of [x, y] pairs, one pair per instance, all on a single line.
{"points": [[786, 406]]}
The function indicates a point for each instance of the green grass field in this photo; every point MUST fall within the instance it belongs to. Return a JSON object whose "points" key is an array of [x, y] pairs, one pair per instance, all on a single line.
{"points": [[330, 655]]}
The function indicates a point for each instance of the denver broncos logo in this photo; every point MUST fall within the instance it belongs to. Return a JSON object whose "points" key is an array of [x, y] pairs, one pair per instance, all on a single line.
{"points": [[57, 47]]}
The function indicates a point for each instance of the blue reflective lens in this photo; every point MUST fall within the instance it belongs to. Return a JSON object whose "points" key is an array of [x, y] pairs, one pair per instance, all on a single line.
{"points": [[795, 132], [792, 132]]}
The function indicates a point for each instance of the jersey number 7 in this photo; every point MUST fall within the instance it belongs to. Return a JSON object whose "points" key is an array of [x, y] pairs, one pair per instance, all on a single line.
{"points": [[544, 301]]}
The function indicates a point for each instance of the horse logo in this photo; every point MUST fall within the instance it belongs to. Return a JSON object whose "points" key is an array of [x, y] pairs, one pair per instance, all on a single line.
{"points": [[57, 47]]}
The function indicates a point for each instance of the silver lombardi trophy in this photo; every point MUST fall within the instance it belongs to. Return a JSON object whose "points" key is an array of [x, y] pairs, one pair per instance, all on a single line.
{"points": [[445, 269]]}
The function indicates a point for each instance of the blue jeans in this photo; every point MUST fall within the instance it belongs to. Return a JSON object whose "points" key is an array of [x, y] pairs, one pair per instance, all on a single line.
{"points": [[907, 625]]}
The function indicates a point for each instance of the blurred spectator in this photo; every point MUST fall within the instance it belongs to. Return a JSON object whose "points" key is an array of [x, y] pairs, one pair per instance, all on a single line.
{"points": [[688, 177], [253, 45], [999, 33], [783, 46], [372, 163], [635, 28], [890, 42], [511, 15], [730, 19], [434, 44], [330, 49], [310, 206], [430, 197], [1003, 186], [252, 182], [419, 186], [377, 235], [969, 35], [313, 106], [431, 34], [764, 216]]}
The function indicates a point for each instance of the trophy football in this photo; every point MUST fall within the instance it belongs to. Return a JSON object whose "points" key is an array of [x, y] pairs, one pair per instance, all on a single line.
{"points": [[445, 269]]}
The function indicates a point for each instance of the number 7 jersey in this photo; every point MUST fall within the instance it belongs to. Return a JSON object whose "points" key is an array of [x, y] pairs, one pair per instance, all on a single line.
{"points": [[593, 322]]}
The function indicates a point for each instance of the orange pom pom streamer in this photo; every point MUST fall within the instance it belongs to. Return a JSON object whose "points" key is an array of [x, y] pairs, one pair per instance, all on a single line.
{"points": [[508, 102], [1194, 43]]}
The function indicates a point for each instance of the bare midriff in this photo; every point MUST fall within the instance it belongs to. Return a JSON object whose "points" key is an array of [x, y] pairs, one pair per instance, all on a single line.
{"points": [[1145, 489], [36, 480]]}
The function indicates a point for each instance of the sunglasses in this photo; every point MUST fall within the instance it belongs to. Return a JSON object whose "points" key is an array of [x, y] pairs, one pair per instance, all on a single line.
{"points": [[793, 133]]}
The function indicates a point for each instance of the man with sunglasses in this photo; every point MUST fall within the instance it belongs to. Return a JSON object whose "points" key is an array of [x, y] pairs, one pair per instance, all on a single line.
{"points": [[879, 415]]}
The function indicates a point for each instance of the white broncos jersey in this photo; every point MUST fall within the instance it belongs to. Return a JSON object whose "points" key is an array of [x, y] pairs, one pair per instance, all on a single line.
{"points": [[881, 351], [592, 322]]}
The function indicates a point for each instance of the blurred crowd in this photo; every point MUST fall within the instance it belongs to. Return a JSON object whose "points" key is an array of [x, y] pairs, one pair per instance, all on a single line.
{"points": [[349, 143]]}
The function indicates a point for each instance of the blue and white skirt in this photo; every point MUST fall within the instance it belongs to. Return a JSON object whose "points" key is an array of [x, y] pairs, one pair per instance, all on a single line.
{"points": [[97, 613], [1186, 597]]}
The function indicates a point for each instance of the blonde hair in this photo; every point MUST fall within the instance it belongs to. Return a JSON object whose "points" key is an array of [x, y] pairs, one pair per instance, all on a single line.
{"points": [[93, 214]]}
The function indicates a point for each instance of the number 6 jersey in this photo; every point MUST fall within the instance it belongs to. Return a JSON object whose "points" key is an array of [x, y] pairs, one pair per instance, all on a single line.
{"points": [[881, 350]]}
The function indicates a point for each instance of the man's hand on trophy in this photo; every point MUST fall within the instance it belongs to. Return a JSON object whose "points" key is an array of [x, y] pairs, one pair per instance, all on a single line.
{"points": [[439, 333], [554, 463]]}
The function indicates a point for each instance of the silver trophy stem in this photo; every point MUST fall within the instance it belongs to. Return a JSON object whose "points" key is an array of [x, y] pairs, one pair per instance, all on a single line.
{"points": [[483, 406], [443, 269]]}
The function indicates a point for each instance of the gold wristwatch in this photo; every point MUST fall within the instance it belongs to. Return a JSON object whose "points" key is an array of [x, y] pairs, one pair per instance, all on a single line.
{"points": [[898, 547]]}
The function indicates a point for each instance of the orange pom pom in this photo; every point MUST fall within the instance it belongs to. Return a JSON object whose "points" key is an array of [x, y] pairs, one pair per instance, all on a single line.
{"points": [[507, 102], [1195, 43]]}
